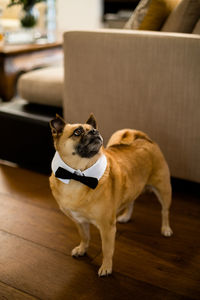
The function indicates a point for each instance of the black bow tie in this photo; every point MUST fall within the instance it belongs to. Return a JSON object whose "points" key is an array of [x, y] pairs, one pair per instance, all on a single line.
{"points": [[64, 174]]}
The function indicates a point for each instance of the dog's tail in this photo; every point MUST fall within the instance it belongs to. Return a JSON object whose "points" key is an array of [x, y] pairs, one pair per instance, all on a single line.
{"points": [[127, 137]]}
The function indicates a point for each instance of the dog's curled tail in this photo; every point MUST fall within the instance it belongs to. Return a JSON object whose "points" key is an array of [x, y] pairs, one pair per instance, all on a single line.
{"points": [[127, 137]]}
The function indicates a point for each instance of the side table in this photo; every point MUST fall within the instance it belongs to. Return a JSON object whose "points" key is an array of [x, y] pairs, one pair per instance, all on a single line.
{"points": [[17, 59]]}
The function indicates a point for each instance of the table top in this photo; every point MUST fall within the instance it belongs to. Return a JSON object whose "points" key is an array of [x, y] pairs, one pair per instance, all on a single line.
{"points": [[24, 48]]}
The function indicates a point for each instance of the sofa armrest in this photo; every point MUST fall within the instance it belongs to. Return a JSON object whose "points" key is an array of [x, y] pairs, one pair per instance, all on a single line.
{"points": [[143, 80]]}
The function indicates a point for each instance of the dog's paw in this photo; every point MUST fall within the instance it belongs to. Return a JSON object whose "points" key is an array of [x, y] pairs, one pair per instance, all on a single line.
{"points": [[123, 218], [166, 231], [78, 251], [126, 215], [105, 270]]}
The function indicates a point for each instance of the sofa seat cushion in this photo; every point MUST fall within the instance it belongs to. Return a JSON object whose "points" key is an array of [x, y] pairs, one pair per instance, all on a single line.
{"points": [[43, 86]]}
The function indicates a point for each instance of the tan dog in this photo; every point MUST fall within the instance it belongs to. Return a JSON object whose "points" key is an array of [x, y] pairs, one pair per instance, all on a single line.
{"points": [[130, 163]]}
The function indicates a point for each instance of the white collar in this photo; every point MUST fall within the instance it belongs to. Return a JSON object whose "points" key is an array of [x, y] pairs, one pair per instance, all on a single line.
{"points": [[97, 170]]}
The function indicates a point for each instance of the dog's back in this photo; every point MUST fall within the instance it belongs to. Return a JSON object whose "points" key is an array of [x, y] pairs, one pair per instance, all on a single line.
{"points": [[138, 156]]}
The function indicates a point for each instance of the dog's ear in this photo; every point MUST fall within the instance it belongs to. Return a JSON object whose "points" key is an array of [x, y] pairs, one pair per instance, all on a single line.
{"points": [[57, 125], [92, 121]]}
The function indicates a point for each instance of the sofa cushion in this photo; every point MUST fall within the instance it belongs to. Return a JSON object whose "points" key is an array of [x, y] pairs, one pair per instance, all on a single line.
{"points": [[184, 17], [150, 14], [196, 29], [44, 86]]}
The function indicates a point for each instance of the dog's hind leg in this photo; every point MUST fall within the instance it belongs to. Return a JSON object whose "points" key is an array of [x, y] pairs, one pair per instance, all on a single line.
{"points": [[164, 195], [126, 214]]}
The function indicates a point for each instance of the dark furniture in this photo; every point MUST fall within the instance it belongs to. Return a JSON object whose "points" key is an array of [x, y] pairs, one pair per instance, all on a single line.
{"points": [[16, 59], [117, 12], [113, 6], [25, 134]]}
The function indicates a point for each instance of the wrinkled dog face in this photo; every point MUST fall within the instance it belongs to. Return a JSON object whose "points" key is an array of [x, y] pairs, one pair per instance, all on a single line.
{"points": [[83, 140], [90, 141]]}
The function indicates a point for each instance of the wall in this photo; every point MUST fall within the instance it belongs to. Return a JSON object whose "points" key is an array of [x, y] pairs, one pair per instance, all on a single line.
{"points": [[79, 14]]}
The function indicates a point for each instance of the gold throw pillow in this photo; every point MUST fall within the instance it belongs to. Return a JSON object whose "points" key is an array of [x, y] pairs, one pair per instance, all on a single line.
{"points": [[151, 14]]}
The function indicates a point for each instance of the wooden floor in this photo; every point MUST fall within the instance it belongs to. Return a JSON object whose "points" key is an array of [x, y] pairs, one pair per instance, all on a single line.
{"points": [[36, 240]]}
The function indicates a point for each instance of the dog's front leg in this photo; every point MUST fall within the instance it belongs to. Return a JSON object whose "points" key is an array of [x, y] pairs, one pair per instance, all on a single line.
{"points": [[107, 232], [84, 231]]}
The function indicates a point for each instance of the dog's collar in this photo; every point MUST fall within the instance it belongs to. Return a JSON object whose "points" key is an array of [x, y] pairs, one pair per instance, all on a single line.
{"points": [[96, 171]]}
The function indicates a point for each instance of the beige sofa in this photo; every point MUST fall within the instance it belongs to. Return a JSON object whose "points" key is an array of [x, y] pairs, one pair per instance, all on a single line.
{"points": [[145, 80], [137, 79]]}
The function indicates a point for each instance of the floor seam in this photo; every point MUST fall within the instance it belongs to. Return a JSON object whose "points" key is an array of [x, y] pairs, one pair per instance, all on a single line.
{"points": [[30, 202], [20, 290], [35, 243]]}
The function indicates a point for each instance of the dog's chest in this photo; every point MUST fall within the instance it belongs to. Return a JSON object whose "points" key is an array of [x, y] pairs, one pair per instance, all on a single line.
{"points": [[70, 197], [73, 199], [74, 208], [78, 217]]}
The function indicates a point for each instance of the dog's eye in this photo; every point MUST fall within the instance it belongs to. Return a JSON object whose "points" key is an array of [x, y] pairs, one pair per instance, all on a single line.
{"points": [[78, 131]]}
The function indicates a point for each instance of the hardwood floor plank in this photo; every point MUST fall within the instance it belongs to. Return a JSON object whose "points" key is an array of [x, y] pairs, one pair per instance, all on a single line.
{"points": [[147, 217], [130, 259], [45, 227], [9, 293], [20, 180], [37, 270], [36, 240], [26, 186], [49, 275], [172, 263], [146, 220]]}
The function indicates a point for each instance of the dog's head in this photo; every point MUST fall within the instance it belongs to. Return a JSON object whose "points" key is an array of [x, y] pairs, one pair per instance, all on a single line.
{"points": [[80, 140]]}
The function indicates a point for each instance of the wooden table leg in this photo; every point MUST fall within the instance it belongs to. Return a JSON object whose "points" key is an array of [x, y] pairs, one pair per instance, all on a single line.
{"points": [[7, 86]]}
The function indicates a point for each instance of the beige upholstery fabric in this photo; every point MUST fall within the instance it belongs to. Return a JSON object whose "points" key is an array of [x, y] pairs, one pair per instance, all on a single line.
{"points": [[184, 17], [142, 80], [196, 29], [44, 86]]}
